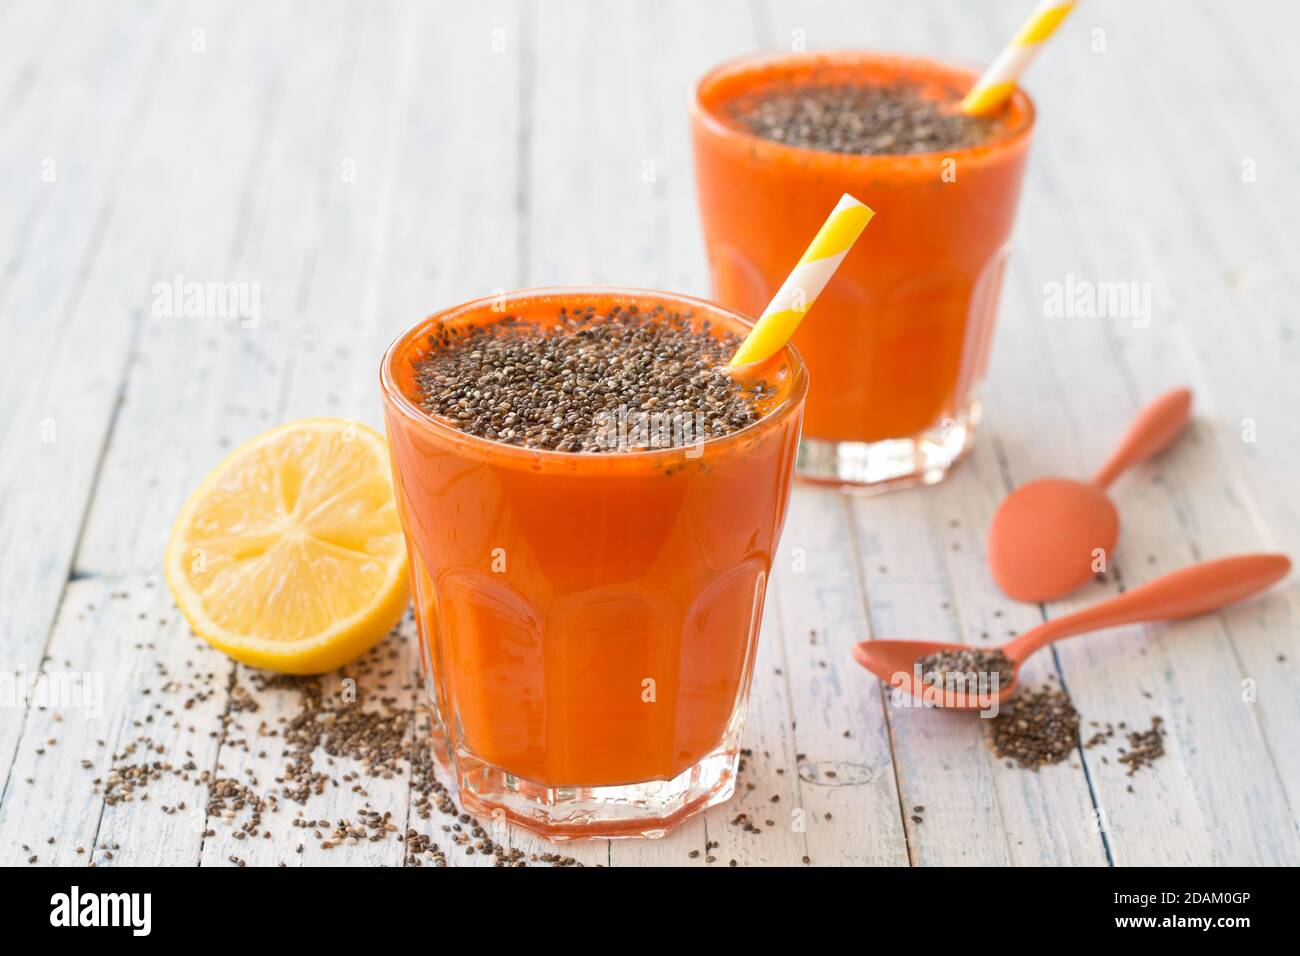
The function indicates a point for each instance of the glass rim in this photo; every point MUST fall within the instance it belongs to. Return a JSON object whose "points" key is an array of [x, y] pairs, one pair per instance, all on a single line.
{"points": [[402, 403], [709, 119]]}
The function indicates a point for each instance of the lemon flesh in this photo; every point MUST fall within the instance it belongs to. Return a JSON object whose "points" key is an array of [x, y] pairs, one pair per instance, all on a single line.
{"points": [[289, 556]]}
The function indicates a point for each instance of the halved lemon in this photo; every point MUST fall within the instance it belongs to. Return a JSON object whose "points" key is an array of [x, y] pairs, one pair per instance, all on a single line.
{"points": [[289, 555]]}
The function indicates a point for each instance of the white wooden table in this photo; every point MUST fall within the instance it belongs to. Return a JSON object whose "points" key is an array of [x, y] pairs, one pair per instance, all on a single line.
{"points": [[363, 164]]}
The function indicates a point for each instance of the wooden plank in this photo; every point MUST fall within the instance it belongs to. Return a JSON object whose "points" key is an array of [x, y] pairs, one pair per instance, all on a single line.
{"points": [[26, 37], [216, 373], [1236, 226], [591, 211], [688, 39], [1220, 514], [71, 735], [939, 758], [844, 763], [60, 373], [198, 94], [166, 743]]}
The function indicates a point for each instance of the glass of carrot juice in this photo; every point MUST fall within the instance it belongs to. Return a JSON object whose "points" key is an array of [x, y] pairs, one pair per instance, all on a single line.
{"points": [[588, 615], [900, 340]]}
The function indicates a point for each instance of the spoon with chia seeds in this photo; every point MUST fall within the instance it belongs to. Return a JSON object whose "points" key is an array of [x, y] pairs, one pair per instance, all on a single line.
{"points": [[969, 678]]}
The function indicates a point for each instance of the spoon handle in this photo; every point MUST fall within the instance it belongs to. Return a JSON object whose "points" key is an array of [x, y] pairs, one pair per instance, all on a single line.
{"points": [[1153, 429], [1183, 593]]}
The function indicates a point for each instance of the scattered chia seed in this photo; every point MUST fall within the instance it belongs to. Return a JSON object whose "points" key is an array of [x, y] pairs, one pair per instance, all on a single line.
{"points": [[1144, 747], [565, 387], [966, 669], [1100, 736], [865, 120], [323, 743]]}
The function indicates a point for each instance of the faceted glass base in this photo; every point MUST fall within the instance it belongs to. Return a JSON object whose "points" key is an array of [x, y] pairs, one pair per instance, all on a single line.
{"points": [[868, 467], [574, 813]]}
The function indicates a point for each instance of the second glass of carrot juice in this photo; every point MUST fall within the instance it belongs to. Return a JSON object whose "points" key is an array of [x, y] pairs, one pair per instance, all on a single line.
{"points": [[900, 339], [588, 600]]}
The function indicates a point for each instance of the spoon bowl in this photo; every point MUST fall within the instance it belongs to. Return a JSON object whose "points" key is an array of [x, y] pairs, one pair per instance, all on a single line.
{"points": [[895, 662], [1047, 535]]}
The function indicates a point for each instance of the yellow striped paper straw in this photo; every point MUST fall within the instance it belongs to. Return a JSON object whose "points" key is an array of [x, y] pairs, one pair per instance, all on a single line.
{"points": [[802, 286], [999, 80]]}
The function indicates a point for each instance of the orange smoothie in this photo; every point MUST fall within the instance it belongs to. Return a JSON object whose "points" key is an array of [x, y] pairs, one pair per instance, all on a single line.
{"points": [[588, 621], [899, 338]]}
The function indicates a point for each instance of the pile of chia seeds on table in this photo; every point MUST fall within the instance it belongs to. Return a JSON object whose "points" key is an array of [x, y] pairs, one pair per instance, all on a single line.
{"points": [[1040, 726], [567, 386], [968, 669], [864, 120], [1036, 727]]}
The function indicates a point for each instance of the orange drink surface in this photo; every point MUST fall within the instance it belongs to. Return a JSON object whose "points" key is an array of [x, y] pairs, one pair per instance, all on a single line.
{"points": [[587, 620], [899, 338]]}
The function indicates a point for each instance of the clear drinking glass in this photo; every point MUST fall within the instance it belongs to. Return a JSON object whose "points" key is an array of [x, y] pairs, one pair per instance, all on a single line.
{"points": [[899, 339], [588, 622]]}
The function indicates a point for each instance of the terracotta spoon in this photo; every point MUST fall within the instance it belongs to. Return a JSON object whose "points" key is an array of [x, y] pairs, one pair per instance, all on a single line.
{"points": [[1044, 536], [1184, 593]]}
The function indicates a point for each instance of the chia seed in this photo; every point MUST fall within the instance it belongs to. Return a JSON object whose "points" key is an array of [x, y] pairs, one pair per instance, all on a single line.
{"points": [[1035, 728], [324, 743], [578, 384], [1144, 747], [967, 669], [864, 120]]}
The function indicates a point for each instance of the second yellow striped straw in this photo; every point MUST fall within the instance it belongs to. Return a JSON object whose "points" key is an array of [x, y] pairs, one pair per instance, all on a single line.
{"points": [[999, 80], [801, 288]]}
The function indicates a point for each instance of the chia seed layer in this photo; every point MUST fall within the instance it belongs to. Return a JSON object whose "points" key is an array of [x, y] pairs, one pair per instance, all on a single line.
{"points": [[625, 380], [859, 119]]}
